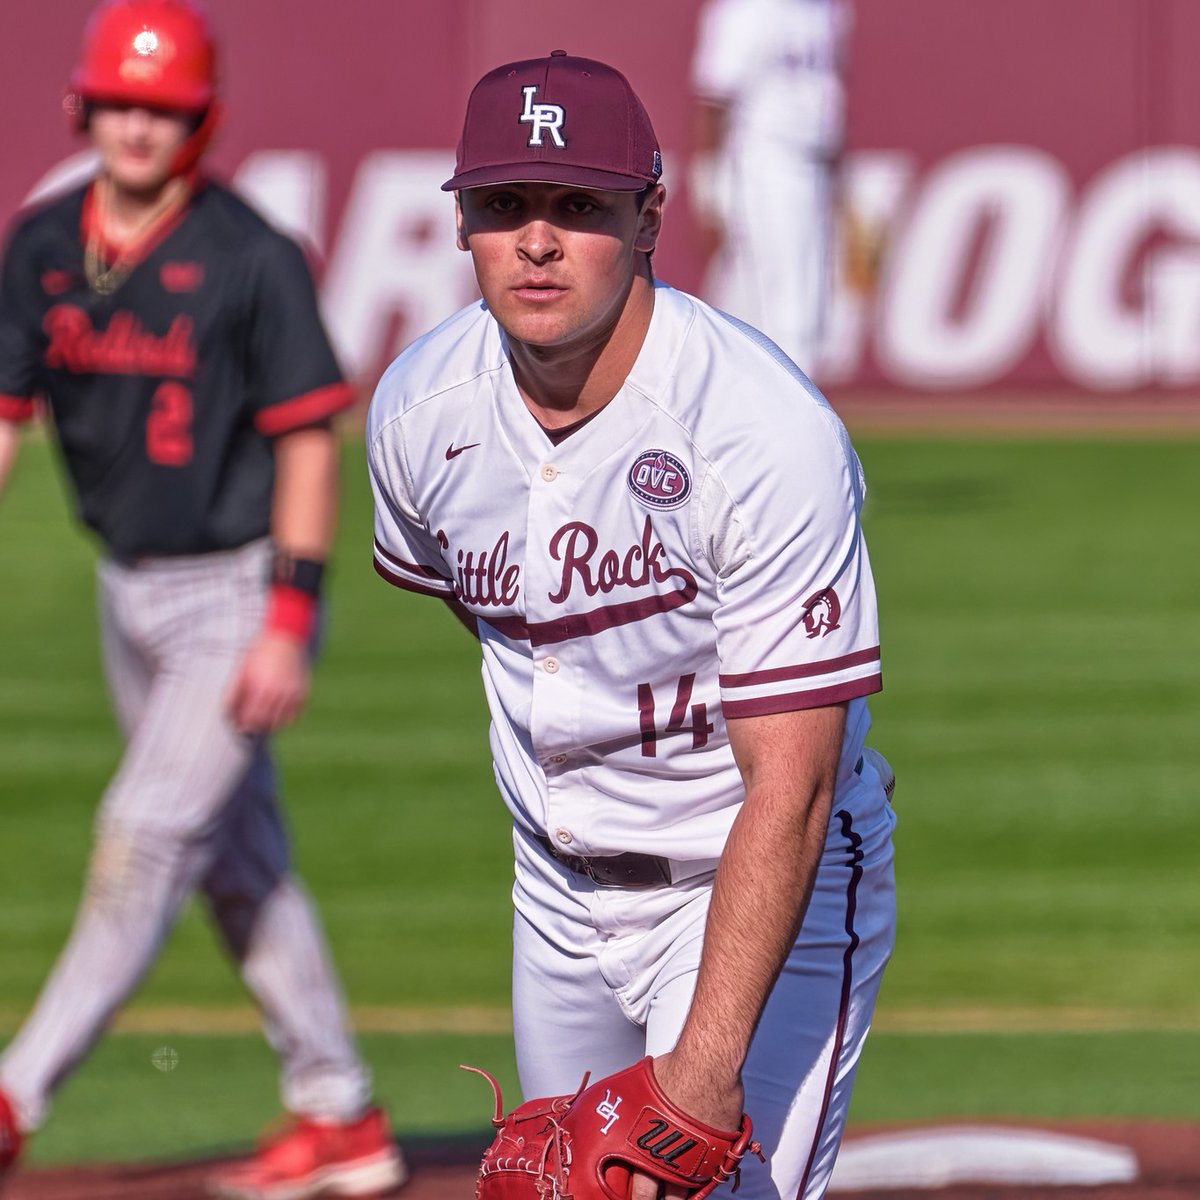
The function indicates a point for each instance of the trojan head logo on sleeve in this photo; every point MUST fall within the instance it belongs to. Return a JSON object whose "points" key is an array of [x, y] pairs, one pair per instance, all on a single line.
{"points": [[822, 613], [545, 118]]}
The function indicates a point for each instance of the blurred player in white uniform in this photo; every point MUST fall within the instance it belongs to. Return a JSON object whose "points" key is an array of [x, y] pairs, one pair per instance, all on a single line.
{"points": [[769, 115], [650, 519]]}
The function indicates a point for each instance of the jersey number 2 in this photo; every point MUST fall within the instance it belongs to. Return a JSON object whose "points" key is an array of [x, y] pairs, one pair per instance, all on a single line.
{"points": [[700, 727], [169, 425]]}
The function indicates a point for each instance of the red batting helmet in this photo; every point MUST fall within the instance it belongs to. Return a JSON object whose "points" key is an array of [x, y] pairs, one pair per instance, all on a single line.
{"points": [[156, 53]]}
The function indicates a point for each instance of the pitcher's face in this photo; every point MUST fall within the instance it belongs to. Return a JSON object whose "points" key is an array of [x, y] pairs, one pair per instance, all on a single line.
{"points": [[555, 263]]}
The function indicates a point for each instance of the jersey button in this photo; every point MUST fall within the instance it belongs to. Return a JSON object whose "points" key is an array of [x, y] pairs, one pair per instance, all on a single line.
{"points": [[549, 473], [550, 666], [565, 836], [558, 759]]}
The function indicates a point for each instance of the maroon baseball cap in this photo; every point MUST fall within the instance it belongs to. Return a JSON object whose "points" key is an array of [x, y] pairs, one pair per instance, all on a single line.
{"points": [[558, 119]]}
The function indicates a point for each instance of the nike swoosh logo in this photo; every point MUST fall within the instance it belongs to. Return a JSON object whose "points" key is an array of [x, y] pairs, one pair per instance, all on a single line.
{"points": [[453, 451]]}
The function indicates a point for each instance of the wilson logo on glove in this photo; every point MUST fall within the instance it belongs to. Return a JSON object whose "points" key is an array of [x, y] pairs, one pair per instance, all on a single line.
{"points": [[554, 1149], [662, 1142]]}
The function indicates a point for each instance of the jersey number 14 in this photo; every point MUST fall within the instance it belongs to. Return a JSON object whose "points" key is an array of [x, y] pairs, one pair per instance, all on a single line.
{"points": [[700, 727]]}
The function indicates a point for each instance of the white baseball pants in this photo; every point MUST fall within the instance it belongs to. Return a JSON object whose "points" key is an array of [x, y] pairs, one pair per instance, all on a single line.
{"points": [[604, 975], [774, 269]]}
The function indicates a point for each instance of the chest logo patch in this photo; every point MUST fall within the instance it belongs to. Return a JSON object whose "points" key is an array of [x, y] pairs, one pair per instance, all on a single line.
{"points": [[822, 613], [659, 480], [181, 276], [54, 283]]}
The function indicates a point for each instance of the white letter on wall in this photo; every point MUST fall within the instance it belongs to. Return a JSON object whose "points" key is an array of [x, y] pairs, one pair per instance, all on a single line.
{"points": [[1018, 196], [1103, 338], [395, 257]]}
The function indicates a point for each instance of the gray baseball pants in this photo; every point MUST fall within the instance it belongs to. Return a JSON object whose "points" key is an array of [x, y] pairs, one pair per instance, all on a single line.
{"points": [[192, 807]]}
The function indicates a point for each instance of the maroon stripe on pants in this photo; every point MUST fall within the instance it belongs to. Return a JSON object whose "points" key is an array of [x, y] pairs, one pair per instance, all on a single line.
{"points": [[856, 871]]}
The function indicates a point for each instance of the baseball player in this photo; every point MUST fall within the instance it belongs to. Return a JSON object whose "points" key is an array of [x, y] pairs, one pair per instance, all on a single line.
{"points": [[176, 341], [650, 518], [767, 77]]}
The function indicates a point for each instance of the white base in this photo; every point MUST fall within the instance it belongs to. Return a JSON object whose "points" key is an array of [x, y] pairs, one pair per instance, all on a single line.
{"points": [[930, 1158]]}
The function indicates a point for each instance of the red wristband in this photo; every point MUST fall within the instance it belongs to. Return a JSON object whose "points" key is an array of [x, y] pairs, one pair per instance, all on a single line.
{"points": [[291, 611]]}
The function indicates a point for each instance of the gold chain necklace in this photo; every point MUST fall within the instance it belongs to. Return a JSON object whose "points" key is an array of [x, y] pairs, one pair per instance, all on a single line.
{"points": [[104, 278]]}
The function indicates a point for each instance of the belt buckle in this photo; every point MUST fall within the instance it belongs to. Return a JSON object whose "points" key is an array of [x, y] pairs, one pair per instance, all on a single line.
{"points": [[583, 865], [578, 863]]}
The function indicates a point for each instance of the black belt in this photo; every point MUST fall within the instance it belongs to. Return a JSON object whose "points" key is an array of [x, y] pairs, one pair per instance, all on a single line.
{"points": [[620, 870], [613, 870]]}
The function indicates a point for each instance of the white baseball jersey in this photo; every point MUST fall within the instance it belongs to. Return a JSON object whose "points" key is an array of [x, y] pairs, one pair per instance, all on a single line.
{"points": [[693, 553], [776, 64]]}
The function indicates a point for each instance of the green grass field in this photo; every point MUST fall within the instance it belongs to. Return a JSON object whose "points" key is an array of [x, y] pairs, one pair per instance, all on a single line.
{"points": [[1041, 640]]}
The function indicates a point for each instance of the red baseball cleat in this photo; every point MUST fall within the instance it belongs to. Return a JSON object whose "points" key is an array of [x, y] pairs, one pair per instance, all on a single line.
{"points": [[317, 1158], [10, 1136]]}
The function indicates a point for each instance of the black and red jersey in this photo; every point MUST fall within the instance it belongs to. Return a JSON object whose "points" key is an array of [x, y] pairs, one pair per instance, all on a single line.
{"points": [[165, 395]]}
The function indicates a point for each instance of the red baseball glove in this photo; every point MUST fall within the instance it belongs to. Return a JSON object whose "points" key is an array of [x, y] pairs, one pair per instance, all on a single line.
{"points": [[589, 1145]]}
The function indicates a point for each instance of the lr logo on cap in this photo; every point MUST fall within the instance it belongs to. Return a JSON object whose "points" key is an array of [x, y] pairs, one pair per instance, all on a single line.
{"points": [[545, 118]]}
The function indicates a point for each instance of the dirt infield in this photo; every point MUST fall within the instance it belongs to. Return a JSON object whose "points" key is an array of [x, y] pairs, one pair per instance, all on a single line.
{"points": [[1167, 1168]]}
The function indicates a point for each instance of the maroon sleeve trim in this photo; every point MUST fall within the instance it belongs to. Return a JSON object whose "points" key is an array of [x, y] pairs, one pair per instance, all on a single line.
{"points": [[413, 568], [794, 701], [411, 585], [308, 409], [16, 408], [802, 670]]}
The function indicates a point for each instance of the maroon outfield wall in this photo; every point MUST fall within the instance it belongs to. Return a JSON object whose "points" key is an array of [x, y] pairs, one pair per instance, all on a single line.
{"points": [[1029, 166]]}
